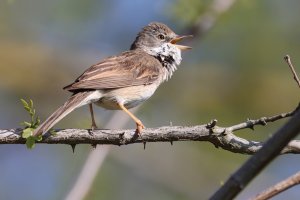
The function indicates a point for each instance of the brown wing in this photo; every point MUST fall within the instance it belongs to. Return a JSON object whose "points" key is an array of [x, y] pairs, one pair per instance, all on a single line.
{"points": [[128, 69]]}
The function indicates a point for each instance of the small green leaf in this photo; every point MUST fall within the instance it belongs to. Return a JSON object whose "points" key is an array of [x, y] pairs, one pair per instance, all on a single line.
{"points": [[26, 124], [30, 142], [25, 104], [37, 121], [31, 113], [31, 103], [27, 132], [39, 138], [27, 109], [30, 126]]}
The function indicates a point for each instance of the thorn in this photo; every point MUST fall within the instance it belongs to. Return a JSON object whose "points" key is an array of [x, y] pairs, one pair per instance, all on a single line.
{"points": [[144, 145], [171, 142], [122, 139], [263, 121], [90, 131], [286, 58], [211, 124], [73, 147], [224, 132], [121, 135], [251, 125], [94, 146]]}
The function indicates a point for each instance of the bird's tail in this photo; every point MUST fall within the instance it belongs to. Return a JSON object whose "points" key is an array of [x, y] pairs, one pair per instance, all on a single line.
{"points": [[75, 101]]}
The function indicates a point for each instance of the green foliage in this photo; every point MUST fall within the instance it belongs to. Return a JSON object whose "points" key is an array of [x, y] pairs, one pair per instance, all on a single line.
{"points": [[30, 126]]}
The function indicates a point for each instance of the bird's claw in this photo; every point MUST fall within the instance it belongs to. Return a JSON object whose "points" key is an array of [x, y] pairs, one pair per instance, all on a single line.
{"points": [[139, 128]]}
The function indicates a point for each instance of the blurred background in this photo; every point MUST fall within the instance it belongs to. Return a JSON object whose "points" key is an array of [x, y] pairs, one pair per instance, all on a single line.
{"points": [[235, 71]]}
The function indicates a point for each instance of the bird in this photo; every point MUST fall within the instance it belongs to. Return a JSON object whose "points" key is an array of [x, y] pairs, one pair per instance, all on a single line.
{"points": [[126, 80]]}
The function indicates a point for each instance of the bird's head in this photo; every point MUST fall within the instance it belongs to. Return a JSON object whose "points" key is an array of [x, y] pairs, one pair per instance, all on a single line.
{"points": [[157, 38]]}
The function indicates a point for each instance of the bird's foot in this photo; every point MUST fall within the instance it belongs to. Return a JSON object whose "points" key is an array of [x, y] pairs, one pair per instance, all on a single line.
{"points": [[139, 128], [94, 126]]}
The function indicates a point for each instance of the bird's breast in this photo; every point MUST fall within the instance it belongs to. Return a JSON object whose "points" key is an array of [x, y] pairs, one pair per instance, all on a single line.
{"points": [[129, 96]]}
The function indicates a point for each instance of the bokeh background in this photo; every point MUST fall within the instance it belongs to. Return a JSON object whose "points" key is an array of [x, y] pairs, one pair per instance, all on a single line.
{"points": [[234, 72]]}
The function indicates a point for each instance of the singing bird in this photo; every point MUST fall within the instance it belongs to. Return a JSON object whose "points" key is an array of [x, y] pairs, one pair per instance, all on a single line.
{"points": [[126, 80]]}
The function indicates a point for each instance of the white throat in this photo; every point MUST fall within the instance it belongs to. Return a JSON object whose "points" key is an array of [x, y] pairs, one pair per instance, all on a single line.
{"points": [[169, 55]]}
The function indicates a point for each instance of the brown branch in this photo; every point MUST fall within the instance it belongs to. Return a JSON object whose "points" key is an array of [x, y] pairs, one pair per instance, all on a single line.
{"points": [[279, 187], [219, 136], [272, 148], [289, 62], [250, 123]]}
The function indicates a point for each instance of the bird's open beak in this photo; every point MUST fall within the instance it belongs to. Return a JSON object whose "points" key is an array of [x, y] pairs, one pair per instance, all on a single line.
{"points": [[179, 38]]}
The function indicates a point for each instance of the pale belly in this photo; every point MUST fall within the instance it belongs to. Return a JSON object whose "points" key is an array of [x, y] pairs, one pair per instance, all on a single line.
{"points": [[129, 96]]}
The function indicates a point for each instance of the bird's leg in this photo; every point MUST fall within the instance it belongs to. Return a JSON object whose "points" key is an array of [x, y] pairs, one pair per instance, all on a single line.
{"points": [[139, 124], [94, 126]]}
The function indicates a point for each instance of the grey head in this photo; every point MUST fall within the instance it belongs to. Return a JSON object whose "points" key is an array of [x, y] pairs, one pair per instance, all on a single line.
{"points": [[158, 40]]}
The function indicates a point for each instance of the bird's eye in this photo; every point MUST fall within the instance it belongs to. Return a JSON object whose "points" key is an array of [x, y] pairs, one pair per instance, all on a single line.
{"points": [[161, 36]]}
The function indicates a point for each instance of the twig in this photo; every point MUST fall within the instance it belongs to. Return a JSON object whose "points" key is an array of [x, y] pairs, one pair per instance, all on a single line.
{"points": [[273, 147], [219, 136], [289, 62], [279, 187], [262, 121], [261, 159]]}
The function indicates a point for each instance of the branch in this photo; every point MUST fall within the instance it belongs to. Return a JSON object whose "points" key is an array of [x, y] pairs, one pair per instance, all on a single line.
{"points": [[272, 148], [279, 187], [219, 136], [289, 62], [262, 121]]}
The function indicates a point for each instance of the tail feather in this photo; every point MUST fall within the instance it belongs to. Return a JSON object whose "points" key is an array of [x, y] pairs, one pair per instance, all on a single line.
{"points": [[75, 101]]}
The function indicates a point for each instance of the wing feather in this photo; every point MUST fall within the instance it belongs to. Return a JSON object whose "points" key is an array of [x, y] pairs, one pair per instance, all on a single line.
{"points": [[128, 69]]}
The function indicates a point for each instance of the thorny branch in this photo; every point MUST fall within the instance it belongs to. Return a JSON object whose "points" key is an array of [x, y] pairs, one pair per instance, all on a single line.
{"points": [[222, 137], [252, 167], [250, 123], [271, 148]]}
